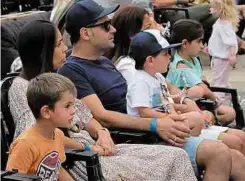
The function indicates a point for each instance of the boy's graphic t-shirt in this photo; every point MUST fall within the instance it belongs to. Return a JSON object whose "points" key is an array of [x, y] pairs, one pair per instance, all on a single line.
{"points": [[147, 91], [33, 154]]}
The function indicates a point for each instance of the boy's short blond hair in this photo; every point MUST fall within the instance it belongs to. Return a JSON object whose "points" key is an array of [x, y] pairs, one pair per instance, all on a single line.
{"points": [[47, 89]]}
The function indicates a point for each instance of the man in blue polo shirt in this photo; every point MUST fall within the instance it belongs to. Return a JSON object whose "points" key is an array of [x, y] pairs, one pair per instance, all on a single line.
{"points": [[99, 85], [96, 75]]}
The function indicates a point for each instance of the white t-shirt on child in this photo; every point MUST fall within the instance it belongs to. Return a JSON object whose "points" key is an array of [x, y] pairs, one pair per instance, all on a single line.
{"points": [[145, 90]]}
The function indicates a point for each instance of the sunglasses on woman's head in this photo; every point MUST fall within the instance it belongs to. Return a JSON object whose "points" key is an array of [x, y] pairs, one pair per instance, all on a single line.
{"points": [[106, 25]]}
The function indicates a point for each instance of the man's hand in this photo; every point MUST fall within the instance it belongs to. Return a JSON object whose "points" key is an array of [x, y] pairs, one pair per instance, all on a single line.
{"points": [[169, 3], [173, 129], [104, 140]]}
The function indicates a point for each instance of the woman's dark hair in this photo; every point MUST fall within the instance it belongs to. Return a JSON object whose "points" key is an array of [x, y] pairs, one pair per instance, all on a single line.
{"points": [[186, 29], [128, 21], [36, 46]]}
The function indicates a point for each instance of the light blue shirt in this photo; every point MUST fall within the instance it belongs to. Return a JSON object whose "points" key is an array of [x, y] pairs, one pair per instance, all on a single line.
{"points": [[185, 77]]}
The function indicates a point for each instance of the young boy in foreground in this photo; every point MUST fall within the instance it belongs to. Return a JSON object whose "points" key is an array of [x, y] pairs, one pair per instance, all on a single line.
{"points": [[40, 149]]}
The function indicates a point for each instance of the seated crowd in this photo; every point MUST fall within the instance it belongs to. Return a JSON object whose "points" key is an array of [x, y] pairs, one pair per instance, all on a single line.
{"points": [[113, 78]]}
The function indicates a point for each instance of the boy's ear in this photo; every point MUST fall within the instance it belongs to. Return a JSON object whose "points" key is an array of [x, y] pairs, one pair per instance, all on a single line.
{"points": [[45, 112], [149, 61]]}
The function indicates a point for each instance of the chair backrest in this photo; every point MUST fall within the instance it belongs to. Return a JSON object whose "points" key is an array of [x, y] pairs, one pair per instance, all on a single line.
{"points": [[7, 118], [240, 120], [4, 145], [15, 176]]}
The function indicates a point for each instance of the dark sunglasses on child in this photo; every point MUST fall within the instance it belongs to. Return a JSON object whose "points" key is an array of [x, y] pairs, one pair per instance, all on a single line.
{"points": [[106, 25]]}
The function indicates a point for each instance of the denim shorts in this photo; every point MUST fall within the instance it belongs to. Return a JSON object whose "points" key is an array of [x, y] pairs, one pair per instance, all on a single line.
{"points": [[191, 148], [192, 143]]}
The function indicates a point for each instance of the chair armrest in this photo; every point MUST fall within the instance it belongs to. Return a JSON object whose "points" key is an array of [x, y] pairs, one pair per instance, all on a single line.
{"points": [[233, 93], [206, 104], [91, 158], [15, 176], [209, 105], [223, 89], [133, 136], [93, 166], [13, 74], [240, 121]]}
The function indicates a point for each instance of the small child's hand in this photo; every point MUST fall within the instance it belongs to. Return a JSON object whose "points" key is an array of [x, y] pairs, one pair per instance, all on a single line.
{"points": [[205, 50], [98, 149], [209, 117], [232, 60]]}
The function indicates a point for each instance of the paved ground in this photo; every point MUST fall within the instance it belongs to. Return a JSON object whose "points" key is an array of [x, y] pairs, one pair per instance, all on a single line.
{"points": [[237, 78]]}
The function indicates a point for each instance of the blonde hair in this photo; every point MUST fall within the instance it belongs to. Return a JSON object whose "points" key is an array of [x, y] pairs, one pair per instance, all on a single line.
{"points": [[227, 10]]}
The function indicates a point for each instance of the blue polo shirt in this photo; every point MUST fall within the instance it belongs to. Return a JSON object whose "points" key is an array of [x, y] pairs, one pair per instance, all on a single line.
{"points": [[98, 77]]}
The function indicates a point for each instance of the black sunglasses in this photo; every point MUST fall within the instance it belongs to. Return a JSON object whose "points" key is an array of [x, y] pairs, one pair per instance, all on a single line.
{"points": [[106, 25]]}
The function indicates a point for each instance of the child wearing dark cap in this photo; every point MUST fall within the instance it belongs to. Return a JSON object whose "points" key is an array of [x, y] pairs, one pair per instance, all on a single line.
{"points": [[148, 94]]}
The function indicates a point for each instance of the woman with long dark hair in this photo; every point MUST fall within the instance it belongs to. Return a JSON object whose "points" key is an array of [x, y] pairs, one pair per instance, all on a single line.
{"points": [[129, 21], [41, 49]]}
